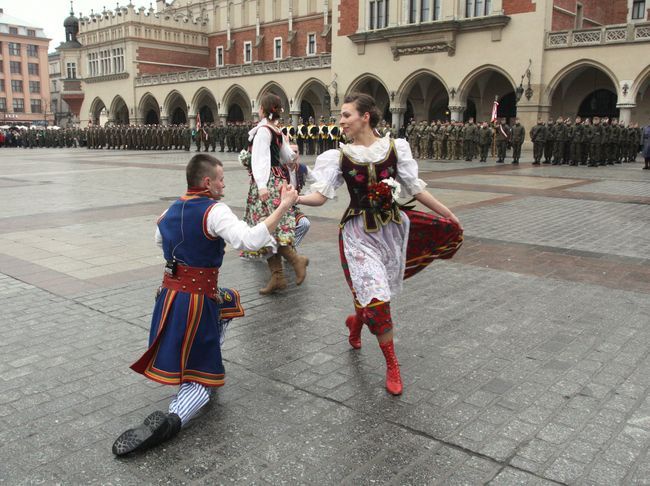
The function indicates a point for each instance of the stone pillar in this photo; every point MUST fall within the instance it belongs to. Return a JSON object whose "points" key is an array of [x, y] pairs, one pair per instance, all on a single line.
{"points": [[223, 118], [457, 112], [164, 120], [294, 118], [397, 113], [192, 120], [625, 115], [528, 114]]}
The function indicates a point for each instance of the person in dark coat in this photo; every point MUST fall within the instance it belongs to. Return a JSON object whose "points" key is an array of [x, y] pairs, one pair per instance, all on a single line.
{"points": [[646, 147]]}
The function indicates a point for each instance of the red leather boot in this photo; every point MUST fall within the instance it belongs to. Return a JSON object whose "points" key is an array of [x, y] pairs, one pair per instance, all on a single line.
{"points": [[355, 325], [393, 377]]}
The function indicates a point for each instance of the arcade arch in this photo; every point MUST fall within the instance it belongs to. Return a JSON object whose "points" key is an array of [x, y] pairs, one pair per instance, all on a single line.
{"points": [[273, 87], [425, 96], [176, 108], [373, 86], [119, 111], [98, 111], [237, 104], [479, 89], [205, 105], [149, 110], [586, 89], [641, 112], [314, 100]]}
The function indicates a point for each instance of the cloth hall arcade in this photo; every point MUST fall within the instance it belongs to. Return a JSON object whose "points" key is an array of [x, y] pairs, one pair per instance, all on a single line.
{"points": [[423, 59]]}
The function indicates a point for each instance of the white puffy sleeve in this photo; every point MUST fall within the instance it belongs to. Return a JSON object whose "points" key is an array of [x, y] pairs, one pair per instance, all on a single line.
{"points": [[261, 157], [286, 154], [158, 237], [222, 222], [327, 174], [407, 170]]}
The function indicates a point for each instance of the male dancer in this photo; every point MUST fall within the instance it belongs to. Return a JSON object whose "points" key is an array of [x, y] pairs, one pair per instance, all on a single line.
{"points": [[188, 318]]}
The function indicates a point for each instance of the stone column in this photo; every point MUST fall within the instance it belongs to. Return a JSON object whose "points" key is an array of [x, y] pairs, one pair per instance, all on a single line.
{"points": [[192, 120], [457, 112], [625, 112], [223, 118], [294, 118], [164, 120], [397, 113]]}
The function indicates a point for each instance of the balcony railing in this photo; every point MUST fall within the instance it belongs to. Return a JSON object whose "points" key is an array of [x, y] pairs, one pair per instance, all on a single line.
{"points": [[611, 34], [237, 70]]}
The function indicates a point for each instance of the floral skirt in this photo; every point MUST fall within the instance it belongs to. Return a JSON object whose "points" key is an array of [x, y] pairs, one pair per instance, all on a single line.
{"points": [[257, 211]]}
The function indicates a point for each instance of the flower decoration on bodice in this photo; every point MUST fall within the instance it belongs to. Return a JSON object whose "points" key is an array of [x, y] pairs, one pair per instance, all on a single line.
{"points": [[383, 194]]}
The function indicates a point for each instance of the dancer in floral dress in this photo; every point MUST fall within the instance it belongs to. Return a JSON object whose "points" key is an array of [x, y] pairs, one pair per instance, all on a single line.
{"points": [[269, 151], [380, 242]]}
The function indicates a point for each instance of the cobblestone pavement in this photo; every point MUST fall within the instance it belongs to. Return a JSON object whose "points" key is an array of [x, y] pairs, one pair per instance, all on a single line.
{"points": [[525, 358]]}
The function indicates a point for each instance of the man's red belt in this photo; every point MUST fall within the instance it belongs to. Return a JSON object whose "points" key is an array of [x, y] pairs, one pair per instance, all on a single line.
{"points": [[195, 280]]}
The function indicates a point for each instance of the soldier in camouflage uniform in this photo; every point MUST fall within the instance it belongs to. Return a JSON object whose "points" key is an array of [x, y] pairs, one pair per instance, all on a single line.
{"points": [[538, 137], [485, 137], [518, 135]]}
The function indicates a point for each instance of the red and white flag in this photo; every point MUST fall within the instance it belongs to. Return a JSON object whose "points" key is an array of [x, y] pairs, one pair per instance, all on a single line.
{"points": [[198, 122], [495, 108]]}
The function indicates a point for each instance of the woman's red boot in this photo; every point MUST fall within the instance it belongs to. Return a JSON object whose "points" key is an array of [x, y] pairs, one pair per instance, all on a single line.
{"points": [[393, 377], [355, 325]]}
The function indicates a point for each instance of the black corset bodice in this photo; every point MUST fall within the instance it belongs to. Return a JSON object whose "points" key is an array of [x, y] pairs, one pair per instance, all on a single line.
{"points": [[359, 178]]}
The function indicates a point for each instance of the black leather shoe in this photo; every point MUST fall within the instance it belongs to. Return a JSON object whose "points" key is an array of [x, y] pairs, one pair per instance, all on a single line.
{"points": [[156, 429]]}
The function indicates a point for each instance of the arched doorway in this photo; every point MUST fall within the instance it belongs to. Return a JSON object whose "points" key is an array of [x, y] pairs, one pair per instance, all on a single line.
{"points": [[97, 107], [479, 90], [640, 114], [149, 110], [177, 107], [238, 105], [584, 90], [275, 88], [425, 96], [205, 105], [119, 112], [314, 100], [372, 86]]}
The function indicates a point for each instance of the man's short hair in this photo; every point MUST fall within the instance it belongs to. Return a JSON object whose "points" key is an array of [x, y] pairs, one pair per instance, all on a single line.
{"points": [[200, 166]]}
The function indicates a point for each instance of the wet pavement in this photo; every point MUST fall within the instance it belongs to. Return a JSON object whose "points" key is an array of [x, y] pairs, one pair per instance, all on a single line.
{"points": [[525, 358]]}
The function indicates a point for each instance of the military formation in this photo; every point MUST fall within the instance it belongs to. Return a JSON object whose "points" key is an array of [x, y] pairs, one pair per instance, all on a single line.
{"points": [[565, 141], [596, 142], [591, 142]]}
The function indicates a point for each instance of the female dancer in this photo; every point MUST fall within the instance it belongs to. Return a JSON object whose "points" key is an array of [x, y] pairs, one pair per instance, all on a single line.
{"points": [[380, 244], [269, 150]]}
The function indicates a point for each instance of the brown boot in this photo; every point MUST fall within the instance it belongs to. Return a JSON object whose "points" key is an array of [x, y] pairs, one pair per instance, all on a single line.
{"points": [[298, 262], [277, 282]]}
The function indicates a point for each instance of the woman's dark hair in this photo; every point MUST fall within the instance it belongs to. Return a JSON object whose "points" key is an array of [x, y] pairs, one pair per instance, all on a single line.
{"points": [[365, 104], [271, 106], [200, 166]]}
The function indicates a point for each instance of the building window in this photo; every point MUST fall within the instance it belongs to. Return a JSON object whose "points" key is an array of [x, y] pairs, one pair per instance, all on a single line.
{"points": [[31, 33], [413, 11], [37, 107], [220, 56], [34, 86], [19, 105], [248, 52], [13, 30], [277, 48], [2, 85], [15, 67], [118, 60], [14, 49], [425, 10], [311, 44], [32, 50], [16, 86], [72, 70], [477, 8], [638, 9], [93, 64], [3, 104], [32, 68]]}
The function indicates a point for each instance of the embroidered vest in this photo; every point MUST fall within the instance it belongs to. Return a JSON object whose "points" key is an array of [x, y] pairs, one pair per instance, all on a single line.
{"points": [[359, 178]]}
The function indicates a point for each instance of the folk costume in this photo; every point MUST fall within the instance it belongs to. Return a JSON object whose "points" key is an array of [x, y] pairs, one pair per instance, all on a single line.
{"points": [[380, 243], [191, 311], [269, 152]]}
